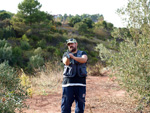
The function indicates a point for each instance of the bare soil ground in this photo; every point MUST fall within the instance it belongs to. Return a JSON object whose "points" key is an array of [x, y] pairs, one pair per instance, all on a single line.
{"points": [[103, 96]]}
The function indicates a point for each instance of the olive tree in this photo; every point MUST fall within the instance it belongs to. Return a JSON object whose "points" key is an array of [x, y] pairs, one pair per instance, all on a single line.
{"points": [[12, 93], [131, 62]]}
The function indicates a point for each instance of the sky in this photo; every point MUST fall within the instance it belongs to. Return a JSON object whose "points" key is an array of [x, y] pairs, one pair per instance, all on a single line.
{"points": [[105, 7]]}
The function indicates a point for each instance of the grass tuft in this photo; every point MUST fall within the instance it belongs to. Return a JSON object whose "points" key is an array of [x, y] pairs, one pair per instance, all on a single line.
{"points": [[47, 80]]}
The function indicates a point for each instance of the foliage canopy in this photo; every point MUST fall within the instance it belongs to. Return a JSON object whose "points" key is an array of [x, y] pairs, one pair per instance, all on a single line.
{"points": [[131, 62]]}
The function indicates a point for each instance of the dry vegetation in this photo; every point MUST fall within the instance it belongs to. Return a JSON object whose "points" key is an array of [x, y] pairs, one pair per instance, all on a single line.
{"points": [[47, 80], [96, 70]]}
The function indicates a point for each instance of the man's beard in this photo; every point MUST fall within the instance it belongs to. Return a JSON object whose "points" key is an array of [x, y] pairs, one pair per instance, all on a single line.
{"points": [[72, 49]]}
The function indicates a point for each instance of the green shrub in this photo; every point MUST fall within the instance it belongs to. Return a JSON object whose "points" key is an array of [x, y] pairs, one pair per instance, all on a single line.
{"points": [[49, 38], [53, 29], [25, 45], [110, 26], [1, 34], [57, 53], [58, 24], [38, 51], [131, 65], [93, 54], [42, 44], [25, 38], [101, 33], [5, 51], [92, 60], [57, 35], [51, 49], [35, 61], [81, 27], [47, 55], [12, 94], [17, 56], [74, 20], [35, 38], [28, 54], [8, 32], [88, 22]]}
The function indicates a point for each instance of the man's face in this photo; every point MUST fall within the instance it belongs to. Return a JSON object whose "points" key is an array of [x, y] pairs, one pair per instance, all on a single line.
{"points": [[72, 47]]}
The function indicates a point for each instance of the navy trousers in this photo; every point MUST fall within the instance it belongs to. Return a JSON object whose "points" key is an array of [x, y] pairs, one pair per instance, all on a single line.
{"points": [[71, 94]]}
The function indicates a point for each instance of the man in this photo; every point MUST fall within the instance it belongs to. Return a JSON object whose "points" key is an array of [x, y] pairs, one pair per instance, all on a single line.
{"points": [[74, 78]]}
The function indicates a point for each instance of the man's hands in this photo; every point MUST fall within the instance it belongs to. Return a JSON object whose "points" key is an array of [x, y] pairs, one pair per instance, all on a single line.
{"points": [[82, 59], [67, 59], [71, 55], [70, 58], [67, 55]]}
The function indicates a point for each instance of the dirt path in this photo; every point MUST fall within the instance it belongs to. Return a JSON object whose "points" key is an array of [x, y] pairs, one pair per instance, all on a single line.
{"points": [[103, 96]]}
